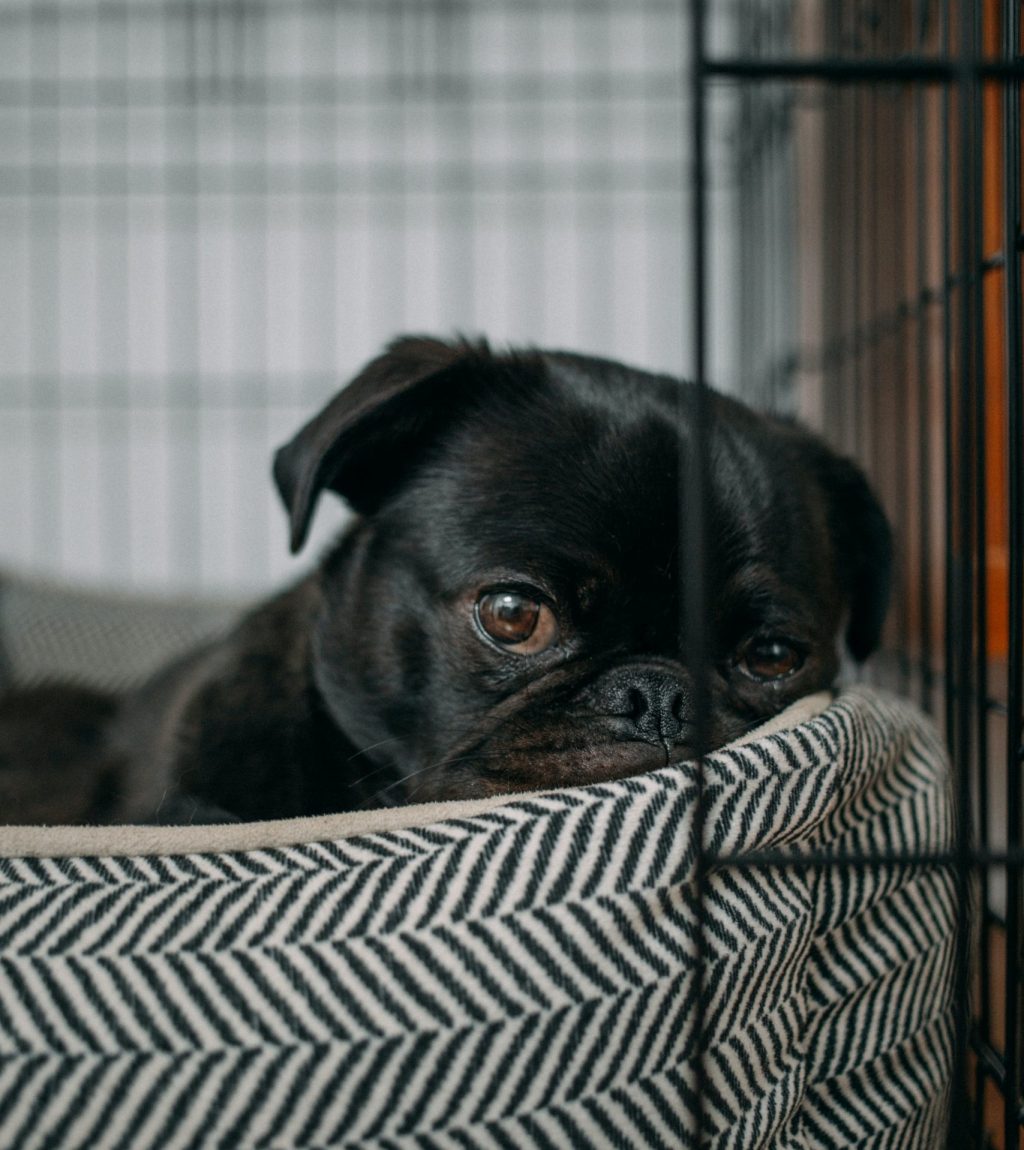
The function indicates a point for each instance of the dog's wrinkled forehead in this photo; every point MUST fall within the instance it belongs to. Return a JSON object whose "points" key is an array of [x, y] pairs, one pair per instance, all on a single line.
{"points": [[583, 476], [540, 476]]}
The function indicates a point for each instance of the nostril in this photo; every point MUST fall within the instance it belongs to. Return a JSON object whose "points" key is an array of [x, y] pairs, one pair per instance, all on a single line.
{"points": [[677, 707], [638, 705]]}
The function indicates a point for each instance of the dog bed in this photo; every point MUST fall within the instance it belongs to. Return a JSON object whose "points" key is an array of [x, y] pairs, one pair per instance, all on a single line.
{"points": [[554, 970], [105, 639]]}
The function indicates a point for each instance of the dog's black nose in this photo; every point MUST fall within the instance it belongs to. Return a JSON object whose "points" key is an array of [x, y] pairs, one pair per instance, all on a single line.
{"points": [[655, 702]]}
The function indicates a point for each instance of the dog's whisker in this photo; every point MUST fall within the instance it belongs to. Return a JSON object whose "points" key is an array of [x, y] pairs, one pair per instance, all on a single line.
{"points": [[446, 762], [369, 775], [386, 766], [374, 746]]}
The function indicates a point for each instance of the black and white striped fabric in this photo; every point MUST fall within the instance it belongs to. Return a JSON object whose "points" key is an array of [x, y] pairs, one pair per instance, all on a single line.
{"points": [[552, 972]]}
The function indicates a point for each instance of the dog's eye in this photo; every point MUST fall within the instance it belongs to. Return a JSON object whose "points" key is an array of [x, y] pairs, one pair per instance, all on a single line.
{"points": [[516, 621], [769, 659]]}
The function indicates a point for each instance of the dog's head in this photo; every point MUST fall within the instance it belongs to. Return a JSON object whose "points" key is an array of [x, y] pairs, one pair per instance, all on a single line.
{"points": [[508, 611]]}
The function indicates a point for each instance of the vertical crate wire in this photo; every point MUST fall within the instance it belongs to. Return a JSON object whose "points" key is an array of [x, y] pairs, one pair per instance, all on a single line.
{"points": [[1013, 247]]}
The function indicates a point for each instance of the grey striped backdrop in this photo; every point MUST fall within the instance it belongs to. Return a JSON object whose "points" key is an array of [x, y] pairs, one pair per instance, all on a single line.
{"points": [[211, 214], [531, 976]]}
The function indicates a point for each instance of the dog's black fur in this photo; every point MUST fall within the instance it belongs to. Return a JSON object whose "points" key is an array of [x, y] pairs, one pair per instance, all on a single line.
{"points": [[505, 612]]}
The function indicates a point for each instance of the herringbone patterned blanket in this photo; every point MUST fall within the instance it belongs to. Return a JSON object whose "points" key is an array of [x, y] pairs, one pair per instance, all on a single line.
{"points": [[555, 971]]}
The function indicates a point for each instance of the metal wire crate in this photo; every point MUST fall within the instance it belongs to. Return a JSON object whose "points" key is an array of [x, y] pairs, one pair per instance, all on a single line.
{"points": [[901, 125], [212, 213]]}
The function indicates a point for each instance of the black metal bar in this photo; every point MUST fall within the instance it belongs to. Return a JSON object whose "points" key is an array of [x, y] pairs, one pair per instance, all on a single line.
{"points": [[951, 859], [974, 858], [892, 371], [830, 238], [949, 574], [972, 219], [924, 501], [967, 123], [1012, 1018], [977, 293], [692, 497], [857, 246], [870, 149], [844, 71]]}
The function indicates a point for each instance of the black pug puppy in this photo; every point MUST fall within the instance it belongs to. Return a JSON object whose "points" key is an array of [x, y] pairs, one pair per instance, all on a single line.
{"points": [[505, 612]]}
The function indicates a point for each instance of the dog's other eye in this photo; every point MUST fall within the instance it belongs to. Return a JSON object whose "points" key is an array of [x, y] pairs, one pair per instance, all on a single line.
{"points": [[516, 621], [769, 659]]}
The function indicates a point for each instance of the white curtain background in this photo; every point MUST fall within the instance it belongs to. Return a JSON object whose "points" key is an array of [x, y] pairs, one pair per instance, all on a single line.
{"points": [[211, 214]]}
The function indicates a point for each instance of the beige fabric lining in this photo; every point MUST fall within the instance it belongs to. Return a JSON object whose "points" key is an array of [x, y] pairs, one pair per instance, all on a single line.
{"points": [[64, 841]]}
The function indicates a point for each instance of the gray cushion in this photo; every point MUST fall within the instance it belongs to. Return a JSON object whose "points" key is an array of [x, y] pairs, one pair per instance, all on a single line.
{"points": [[106, 640]]}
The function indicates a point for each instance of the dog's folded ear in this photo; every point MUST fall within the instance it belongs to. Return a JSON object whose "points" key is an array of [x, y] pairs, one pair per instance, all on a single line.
{"points": [[863, 547], [365, 440]]}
